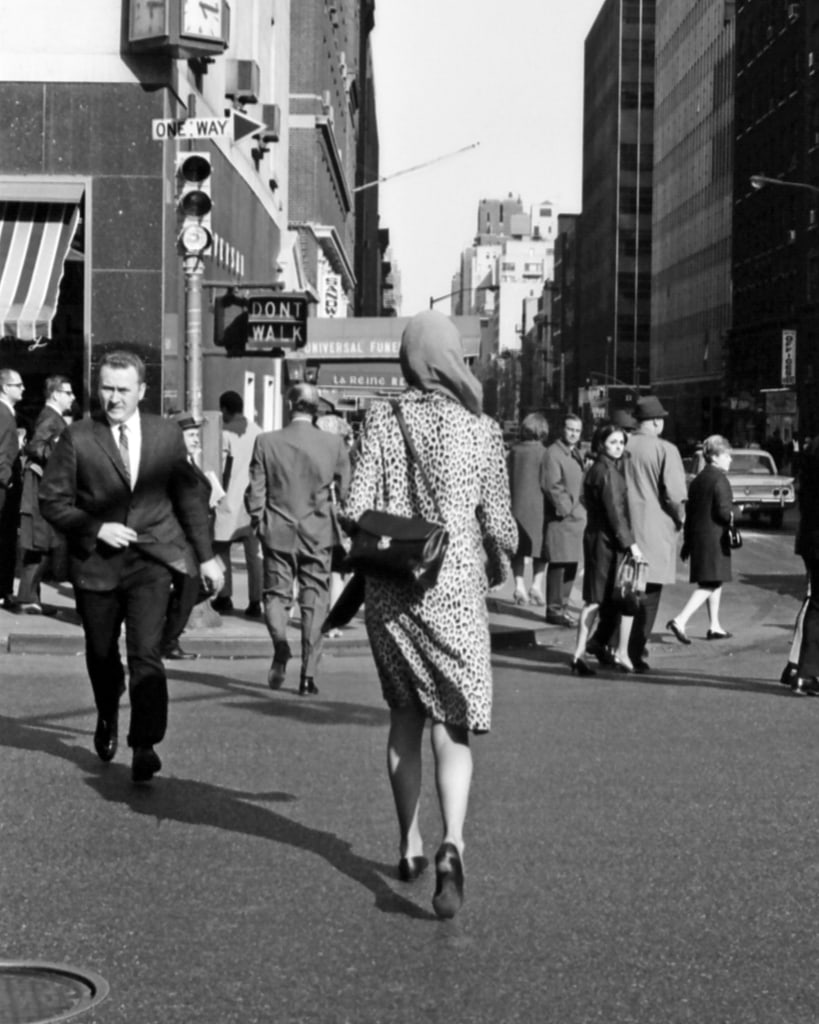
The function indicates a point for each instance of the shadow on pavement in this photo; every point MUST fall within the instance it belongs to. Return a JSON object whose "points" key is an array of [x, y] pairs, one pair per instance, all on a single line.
{"points": [[284, 703], [201, 803], [556, 664], [789, 586]]}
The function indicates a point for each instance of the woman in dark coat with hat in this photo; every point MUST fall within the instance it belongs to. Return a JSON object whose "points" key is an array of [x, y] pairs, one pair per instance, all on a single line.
{"points": [[709, 512], [526, 464]]}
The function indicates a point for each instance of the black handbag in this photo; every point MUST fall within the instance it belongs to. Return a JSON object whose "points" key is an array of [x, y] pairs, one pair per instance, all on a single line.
{"points": [[629, 584], [406, 548], [733, 534]]}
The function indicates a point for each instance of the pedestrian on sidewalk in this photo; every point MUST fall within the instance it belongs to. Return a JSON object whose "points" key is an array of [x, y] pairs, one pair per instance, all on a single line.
{"points": [[431, 648], [12, 389], [525, 463], [708, 515], [565, 517], [289, 502], [802, 670], [119, 486], [608, 536], [187, 591], [43, 548], [232, 525]]}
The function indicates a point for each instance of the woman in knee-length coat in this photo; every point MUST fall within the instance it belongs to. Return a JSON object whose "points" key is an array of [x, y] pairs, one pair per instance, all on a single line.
{"points": [[709, 512], [431, 647]]}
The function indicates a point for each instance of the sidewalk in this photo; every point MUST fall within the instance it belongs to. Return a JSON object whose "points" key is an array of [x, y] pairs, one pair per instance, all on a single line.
{"points": [[235, 636]]}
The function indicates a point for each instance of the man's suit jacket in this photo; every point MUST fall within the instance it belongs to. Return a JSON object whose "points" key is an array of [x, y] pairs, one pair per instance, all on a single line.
{"points": [[9, 453], [35, 533], [85, 485], [291, 474]]}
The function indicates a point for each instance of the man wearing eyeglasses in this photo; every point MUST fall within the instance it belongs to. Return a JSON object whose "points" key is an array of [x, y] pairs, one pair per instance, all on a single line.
{"points": [[38, 539], [11, 391]]}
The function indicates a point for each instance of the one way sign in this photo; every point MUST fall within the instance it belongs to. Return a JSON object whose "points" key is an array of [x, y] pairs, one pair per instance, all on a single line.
{"points": [[234, 125]]}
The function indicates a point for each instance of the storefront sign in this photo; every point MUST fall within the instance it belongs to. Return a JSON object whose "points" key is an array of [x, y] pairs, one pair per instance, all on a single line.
{"points": [[371, 376], [788, 358], [353, 348]]}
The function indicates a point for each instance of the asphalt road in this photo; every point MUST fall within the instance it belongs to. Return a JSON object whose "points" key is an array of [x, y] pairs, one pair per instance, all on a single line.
{"points": [[640, 850]]}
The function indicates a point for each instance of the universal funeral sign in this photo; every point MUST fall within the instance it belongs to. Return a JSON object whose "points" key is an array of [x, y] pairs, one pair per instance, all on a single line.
{"points": [[276, 320]]}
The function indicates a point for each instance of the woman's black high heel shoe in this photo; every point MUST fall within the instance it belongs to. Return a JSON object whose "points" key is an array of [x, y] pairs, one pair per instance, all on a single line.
{"points": [[582, 668], [410, 868], [449, 881]]}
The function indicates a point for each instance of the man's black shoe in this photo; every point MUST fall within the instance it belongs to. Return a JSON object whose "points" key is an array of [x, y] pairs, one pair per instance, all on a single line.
{"points": [[176, 653], [789, 673], [561, 619], [254, 610], [307, 686], [145, 764], [222, 604], [600, 651], [105, 737]]}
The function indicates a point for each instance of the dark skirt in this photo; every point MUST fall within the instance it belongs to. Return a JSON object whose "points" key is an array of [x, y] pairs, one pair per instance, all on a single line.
{"points": [[600, 558]]}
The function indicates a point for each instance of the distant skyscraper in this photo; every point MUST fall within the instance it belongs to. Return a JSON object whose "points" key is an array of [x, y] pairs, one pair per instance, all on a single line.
{"points": [[692, 210], [615, 255]]}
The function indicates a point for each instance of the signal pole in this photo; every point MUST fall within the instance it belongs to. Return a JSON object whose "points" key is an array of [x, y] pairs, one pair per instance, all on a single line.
{"points": [[194, 269]]}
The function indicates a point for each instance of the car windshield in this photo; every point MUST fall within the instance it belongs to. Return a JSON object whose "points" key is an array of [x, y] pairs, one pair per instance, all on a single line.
{"points": [[755, 463]]}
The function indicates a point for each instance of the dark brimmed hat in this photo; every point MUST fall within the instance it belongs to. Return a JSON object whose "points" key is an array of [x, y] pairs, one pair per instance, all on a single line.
{"points": [[623, 419], [186, 420], [649, 408]]}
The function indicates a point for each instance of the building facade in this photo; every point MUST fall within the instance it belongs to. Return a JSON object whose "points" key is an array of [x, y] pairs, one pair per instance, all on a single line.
{"points": [[615, 259], [692, 211], [772, 365]]}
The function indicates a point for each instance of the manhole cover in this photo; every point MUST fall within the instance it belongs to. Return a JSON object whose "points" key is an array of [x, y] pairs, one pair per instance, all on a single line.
{"points": [[38, 993]]}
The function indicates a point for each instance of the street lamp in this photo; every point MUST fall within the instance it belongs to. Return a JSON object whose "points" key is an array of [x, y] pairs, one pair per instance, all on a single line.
{"points": [[460, 291], [759, 181]]}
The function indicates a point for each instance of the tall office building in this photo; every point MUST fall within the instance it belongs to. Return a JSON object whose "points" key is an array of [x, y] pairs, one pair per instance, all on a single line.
{"points": [[615, 256], [692, 209], [772, 363]]}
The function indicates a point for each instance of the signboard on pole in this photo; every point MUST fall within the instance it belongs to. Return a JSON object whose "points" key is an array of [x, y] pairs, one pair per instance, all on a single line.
{"points": [[236, 126], [788, 358], [276, 320]]}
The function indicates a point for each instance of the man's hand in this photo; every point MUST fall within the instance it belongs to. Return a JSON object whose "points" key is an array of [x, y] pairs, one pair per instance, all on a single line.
{"points": [[117, 535], [212, 575]]}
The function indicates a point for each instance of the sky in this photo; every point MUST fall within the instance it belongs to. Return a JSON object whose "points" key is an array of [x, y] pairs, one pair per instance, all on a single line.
{"points": [[451, 73]]}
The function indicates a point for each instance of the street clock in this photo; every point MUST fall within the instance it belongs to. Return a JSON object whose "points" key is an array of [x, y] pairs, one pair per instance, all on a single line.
{"points": [[178, 28]]}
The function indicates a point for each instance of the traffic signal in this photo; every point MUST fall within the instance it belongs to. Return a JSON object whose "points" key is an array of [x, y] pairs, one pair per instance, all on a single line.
{"points": [[194, 203]]}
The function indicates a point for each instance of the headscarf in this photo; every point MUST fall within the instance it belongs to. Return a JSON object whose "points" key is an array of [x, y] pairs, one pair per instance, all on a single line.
{"points": [[432, 359]]}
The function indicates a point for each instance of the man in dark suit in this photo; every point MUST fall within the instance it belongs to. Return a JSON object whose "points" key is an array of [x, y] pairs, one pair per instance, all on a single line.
{"points": [[119, 486], [38, 540], [11, 391], [290, 506]]}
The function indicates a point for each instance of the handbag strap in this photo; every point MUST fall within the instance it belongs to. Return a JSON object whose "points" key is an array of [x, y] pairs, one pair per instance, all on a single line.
{"points": [[402, 423]]}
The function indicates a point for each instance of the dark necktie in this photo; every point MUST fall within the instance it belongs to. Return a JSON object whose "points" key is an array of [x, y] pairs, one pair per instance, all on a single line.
{"points": [[124, 451]]}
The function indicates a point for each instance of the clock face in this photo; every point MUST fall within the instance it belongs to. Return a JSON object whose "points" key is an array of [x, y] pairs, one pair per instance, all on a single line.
{"points": [[149, 19], [202, 18]]}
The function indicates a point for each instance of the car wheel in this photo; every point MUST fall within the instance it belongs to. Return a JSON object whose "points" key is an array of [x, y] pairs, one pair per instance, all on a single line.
{"points": [[777, 518]]}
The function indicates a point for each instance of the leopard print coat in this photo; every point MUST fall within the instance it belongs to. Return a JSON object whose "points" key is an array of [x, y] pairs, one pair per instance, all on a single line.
{"points": [[431, 648]]}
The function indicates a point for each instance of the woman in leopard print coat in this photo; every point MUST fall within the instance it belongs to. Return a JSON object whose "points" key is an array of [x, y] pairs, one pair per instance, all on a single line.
{"points": [[431, 648]]}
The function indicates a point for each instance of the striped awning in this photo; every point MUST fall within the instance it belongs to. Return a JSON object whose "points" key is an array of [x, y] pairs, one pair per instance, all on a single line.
{"points": [[34, 241]]}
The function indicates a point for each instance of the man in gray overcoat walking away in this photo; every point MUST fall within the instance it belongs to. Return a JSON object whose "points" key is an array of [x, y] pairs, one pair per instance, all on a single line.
{"points": [[655, 487]]}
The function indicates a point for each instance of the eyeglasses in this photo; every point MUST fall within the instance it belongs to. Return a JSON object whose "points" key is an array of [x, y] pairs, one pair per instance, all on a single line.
{"points": [[15, 384]]}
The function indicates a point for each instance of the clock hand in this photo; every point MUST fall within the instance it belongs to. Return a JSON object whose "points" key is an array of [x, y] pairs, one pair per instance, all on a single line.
{"points": [[208, 7]]}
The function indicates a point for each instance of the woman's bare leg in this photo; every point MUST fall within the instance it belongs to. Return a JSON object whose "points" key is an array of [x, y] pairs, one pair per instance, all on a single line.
{"points": [[453, 778], [404, 769]]}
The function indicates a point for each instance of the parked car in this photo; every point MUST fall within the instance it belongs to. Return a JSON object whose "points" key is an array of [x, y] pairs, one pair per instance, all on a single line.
{"points": [[756, 486]]}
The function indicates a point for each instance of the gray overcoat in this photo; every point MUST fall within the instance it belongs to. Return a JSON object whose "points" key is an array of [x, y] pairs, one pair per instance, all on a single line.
{"points": [[565, 514], [655, 486]]}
